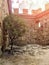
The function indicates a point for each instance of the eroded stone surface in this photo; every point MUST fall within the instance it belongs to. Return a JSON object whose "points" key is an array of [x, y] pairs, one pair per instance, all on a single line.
{"points": [[28, 55]]}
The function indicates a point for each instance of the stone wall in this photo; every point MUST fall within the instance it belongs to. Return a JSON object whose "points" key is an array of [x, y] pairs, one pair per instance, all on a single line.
{"points": [[37, 33], [3, 13]]}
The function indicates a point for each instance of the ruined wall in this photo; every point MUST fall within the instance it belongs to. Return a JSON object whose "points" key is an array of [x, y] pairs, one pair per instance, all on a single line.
{"points": [[38, 28], [3, 13]]}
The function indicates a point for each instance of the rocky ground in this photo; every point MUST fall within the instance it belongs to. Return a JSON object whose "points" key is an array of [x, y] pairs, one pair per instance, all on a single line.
{"points": [[32, 54]]}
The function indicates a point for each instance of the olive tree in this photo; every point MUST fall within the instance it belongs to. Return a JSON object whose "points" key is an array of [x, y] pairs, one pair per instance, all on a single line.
{"points": [[15, 27]]}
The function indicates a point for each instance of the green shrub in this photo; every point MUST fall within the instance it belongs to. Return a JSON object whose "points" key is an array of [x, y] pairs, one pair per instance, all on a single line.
{"points": [[15, 27]]}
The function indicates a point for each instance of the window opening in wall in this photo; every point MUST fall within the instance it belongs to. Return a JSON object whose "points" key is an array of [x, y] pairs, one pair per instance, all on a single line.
{"points": [[39, 24]]}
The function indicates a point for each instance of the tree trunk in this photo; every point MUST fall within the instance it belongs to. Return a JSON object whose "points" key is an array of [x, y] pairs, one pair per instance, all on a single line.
{"points": [[3, 38]]}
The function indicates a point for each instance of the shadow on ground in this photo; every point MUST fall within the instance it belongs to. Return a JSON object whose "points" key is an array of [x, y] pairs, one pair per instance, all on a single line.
{"points": [[32, 54]]}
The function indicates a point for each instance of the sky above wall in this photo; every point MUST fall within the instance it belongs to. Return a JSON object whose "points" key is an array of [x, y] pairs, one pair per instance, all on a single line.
{"points": [[29, 4]]}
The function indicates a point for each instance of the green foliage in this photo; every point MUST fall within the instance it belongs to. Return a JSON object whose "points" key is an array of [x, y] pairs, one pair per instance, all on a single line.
{"points": [[15, 26]]}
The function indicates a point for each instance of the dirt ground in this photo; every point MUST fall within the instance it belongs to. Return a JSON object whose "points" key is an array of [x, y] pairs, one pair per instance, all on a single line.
{"points": [[27, 55]]}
